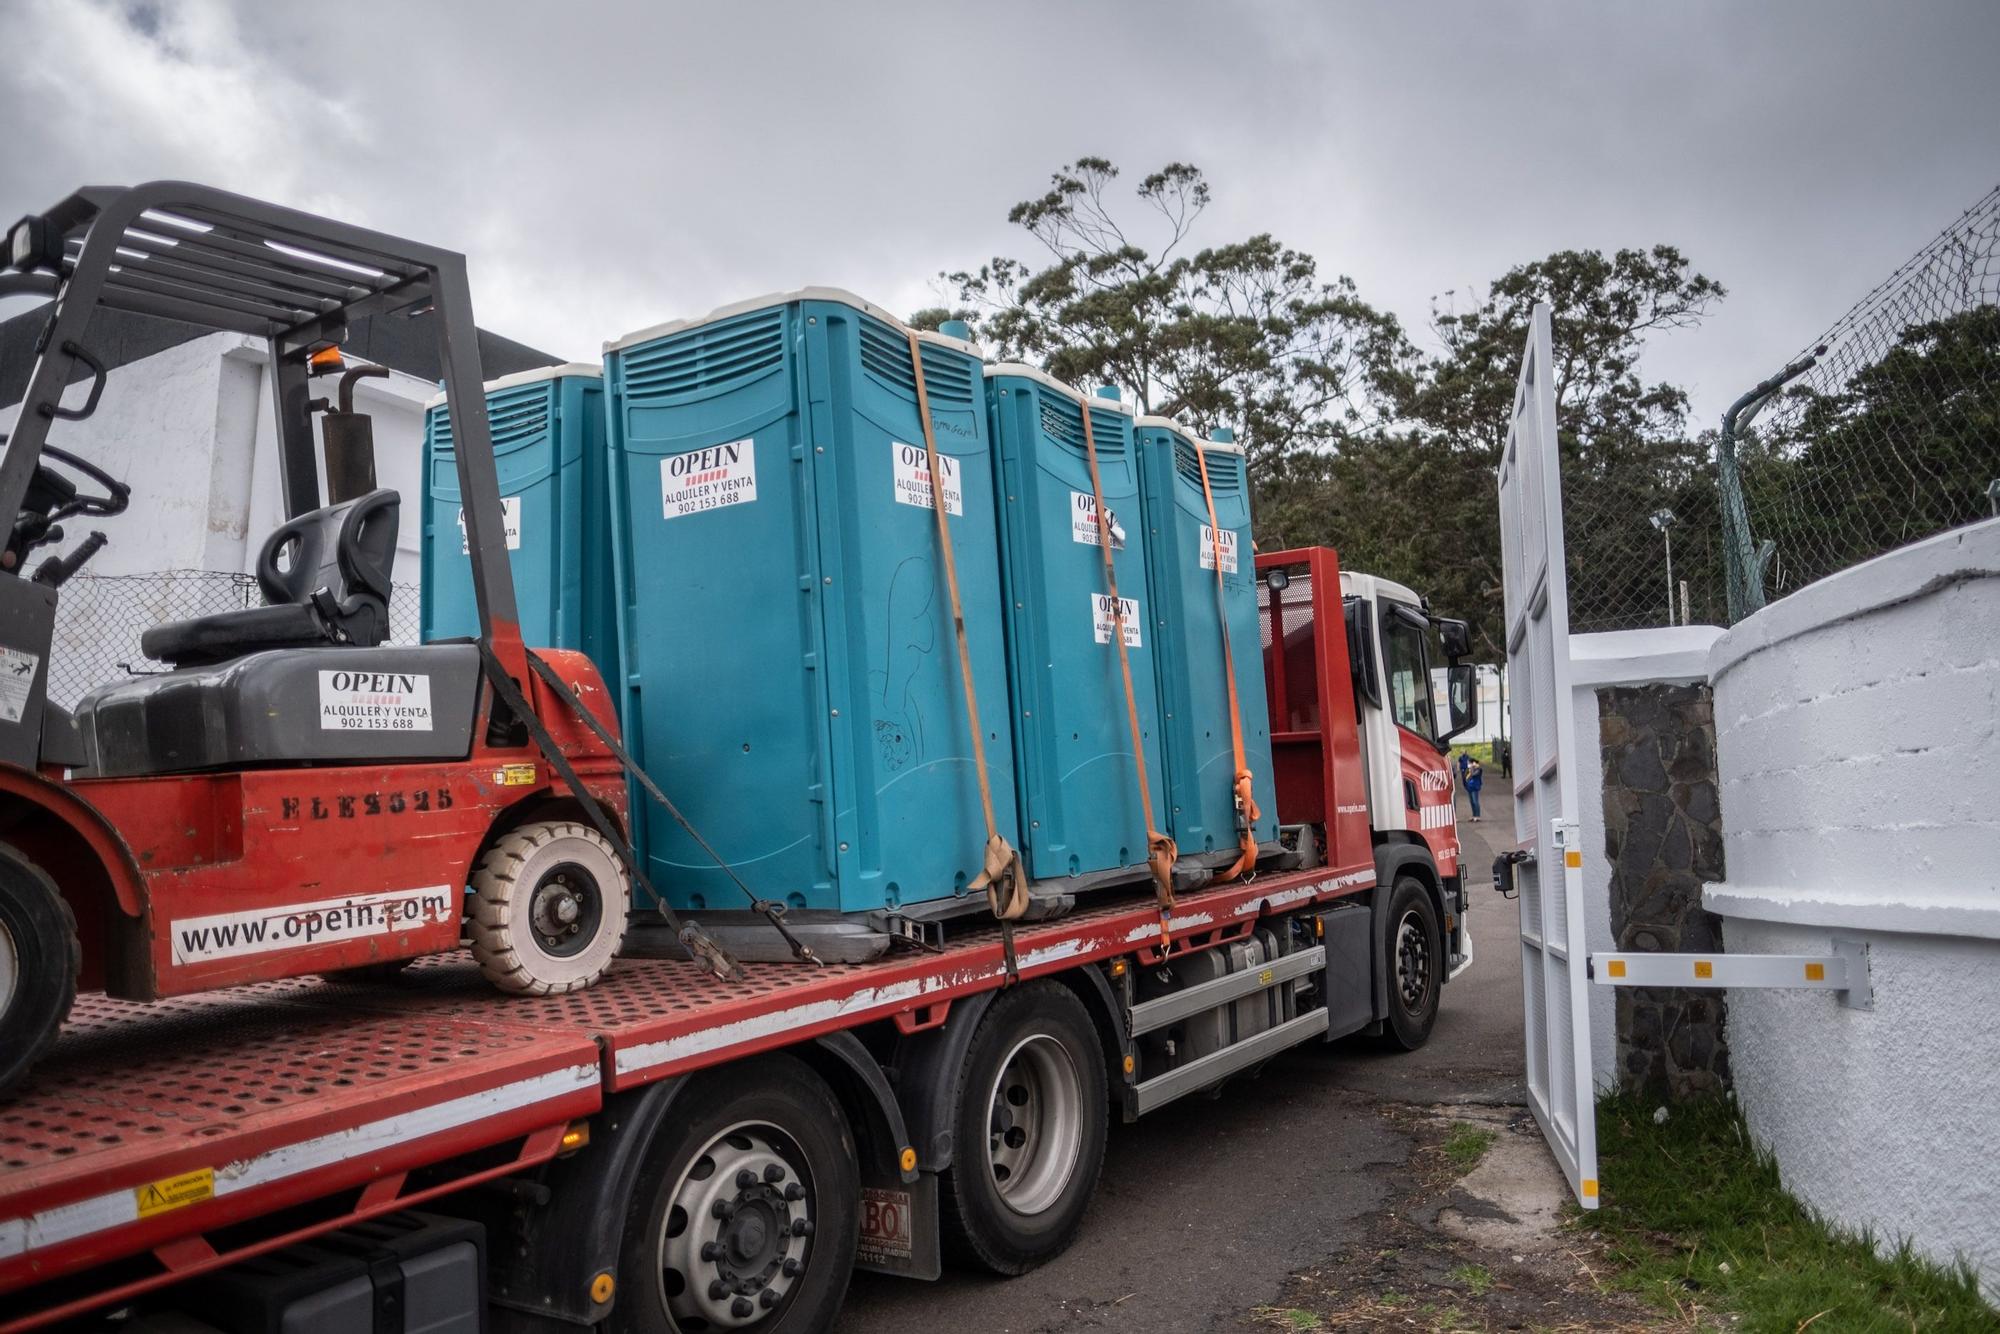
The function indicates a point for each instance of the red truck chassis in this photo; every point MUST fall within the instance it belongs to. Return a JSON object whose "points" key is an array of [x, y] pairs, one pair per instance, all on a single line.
{"points": [[153, 1129]]}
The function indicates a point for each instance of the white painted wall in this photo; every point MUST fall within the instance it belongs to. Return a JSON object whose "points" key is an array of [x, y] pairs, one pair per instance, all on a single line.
{"points": [[191, 430], [1857, 723]]}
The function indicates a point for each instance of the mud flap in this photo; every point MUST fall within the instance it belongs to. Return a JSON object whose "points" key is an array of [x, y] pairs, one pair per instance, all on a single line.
{"points": [[899, 1226]]}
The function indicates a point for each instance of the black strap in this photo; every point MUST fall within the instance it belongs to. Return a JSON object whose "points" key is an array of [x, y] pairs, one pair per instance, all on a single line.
{"points": [[694, 940], [1007, 952], [772, 910]]}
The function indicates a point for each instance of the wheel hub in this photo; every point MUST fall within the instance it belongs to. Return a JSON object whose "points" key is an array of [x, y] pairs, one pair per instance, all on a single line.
{"points": [[564, 909], [1413, 962], [737, 1231], [1034, 1124]]}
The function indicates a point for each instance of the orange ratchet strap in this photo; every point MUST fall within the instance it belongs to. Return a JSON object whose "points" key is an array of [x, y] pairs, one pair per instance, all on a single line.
{"points": [[1001, 874], [1247, 813], [1161, 854]]}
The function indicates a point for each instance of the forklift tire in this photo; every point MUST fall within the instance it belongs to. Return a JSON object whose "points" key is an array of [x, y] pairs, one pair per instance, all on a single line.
{"points": [[40, 958], [744, 1212], [549, 907], [1028, 1128], [1413, 963]]}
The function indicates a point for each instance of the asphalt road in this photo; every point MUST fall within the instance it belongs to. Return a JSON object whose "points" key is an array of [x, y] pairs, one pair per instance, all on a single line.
{"points": [[1206, 1206]]}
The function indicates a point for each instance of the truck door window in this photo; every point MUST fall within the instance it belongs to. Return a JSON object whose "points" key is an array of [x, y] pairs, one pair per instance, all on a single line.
{"points": [[1409, 676]]}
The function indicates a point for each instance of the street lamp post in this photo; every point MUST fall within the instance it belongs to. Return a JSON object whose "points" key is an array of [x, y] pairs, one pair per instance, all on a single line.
{"points": [[1663, 519]]}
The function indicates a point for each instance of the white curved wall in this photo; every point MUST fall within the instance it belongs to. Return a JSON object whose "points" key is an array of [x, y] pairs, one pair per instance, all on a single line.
{"points": [[1858, 745]]}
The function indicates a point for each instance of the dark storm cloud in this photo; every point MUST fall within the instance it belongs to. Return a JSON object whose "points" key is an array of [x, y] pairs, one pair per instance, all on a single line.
{"points": [[609, 169]]}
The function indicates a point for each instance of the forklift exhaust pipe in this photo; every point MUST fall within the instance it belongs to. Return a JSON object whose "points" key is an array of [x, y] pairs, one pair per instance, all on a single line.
{"points": [[350, 442]]}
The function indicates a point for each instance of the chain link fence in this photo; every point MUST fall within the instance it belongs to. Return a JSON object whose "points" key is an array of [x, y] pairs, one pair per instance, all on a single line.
{"points": [[99, 619], [1885, 432], [1643, 539]]}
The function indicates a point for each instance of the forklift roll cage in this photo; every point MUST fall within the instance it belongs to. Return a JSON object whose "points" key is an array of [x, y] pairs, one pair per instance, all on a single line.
{"points": [[225, 262]]}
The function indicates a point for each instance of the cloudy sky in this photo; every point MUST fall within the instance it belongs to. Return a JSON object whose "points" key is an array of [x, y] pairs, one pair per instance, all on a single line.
{"points": [[610, 166]]}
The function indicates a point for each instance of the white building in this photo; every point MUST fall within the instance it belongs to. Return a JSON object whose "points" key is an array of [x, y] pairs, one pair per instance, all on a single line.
{"points": [[186, 421]]}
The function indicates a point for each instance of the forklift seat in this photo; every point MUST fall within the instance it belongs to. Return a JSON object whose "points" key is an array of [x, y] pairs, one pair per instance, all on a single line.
{"points": [[332, 588]]}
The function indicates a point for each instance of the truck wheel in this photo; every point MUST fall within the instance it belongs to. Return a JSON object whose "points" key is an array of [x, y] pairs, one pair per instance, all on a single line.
{"points": [[745, 1216], [1027, 1131], [1414, 964], [40, 958], [550, 906]]}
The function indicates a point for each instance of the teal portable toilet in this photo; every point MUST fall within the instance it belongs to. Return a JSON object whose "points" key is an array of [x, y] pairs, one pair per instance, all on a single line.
{"points": [[548, 446], [1078, 788], [791, 672], [1187, 625]]}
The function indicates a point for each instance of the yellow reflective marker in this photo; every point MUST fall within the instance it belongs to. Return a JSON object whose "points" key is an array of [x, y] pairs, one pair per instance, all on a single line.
{"points": [[602, 1287], [1815, 972], [1616, 968], [1703, 968], [908, 1159], [1573, 860], [1590, 1188]]}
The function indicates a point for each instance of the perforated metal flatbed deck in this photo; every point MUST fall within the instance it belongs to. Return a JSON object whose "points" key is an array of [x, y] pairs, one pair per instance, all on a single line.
{"points": [[152, 1127]]}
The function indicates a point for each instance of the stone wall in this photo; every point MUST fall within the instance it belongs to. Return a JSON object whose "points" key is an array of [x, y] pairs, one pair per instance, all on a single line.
{"points": [[1663, 840]]}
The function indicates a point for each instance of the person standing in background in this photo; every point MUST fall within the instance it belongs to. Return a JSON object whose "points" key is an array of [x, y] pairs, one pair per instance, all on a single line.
{"points": [[1475, 778]]}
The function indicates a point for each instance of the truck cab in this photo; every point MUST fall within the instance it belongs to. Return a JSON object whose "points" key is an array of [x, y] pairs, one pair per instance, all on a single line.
{"points": [[1359, 735], [1396, 648]]}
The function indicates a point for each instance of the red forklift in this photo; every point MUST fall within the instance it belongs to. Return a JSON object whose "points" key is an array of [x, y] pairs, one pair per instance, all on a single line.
{"points": [[294, 795]]}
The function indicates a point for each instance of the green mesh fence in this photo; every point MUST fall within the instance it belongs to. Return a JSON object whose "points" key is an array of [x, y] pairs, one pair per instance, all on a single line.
{"points": [[1890, 434]]}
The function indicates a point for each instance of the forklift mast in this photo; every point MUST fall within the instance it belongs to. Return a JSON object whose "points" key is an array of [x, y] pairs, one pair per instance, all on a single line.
{"points": [[224, 262]]}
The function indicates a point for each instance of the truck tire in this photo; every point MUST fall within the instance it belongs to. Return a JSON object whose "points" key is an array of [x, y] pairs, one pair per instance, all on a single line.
{"points": [[745, 1214], [1028, 1127], [40, 958], [549, 910], [1413, 962]]}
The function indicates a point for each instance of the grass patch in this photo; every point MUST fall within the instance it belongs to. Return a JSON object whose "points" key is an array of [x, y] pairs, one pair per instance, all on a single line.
{"points": [[1476, 1278], [1289, 1317], [1466, 1145], [1697, 1218], [1478, 750]]}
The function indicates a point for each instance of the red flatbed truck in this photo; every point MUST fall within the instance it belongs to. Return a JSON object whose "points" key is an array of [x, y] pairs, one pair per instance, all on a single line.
{"points": [[165, 1148], [662, 1151]]}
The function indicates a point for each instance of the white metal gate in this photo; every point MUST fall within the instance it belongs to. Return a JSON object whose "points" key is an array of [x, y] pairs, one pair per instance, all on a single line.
{"points": [[1554, 982]]}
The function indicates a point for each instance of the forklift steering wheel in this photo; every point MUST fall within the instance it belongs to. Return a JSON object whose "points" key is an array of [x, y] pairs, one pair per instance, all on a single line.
{"points": [[116, 495]]}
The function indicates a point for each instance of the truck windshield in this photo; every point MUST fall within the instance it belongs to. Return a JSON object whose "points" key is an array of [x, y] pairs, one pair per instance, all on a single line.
{"points": [[1409, 676]]}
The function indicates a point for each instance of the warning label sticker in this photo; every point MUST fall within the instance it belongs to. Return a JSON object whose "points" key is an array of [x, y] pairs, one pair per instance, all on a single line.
{"points": [[1208, 536], [913, 478], [374, 701], [1101, 621], [708, 479], [157, 1197], [17, 681], [510, 510], [885, 1225], [1083, 521], [294, 926]]}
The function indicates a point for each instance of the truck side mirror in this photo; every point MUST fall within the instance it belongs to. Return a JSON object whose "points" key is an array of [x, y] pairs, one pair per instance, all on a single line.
{"points": [[1456, 639], [1461, 690]]}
